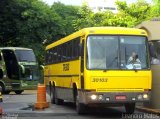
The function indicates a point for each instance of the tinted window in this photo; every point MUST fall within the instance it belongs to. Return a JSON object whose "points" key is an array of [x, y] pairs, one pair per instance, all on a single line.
{"points": [[154, 48], [64, 52], [25, 55]]}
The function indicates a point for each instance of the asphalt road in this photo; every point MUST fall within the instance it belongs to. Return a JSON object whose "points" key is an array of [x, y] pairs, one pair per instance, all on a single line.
{"points": [[21, 107]]}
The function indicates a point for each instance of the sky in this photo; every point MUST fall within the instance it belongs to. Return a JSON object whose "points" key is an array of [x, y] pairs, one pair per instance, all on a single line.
{"points": [[79, 2]]}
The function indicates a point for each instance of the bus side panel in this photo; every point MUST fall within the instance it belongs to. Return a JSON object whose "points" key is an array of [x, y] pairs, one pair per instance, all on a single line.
{"points": [[64, 75]]}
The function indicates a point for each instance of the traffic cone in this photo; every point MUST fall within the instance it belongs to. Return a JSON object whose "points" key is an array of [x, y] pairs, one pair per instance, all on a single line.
{"points": [[1, 111], [41, 97]]}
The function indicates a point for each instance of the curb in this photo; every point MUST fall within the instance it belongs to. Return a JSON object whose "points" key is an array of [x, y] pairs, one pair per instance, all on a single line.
{"points": [[148, 110]]}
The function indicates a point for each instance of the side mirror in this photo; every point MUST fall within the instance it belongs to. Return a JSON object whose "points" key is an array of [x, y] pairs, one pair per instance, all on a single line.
{"points": [[81, 49], [23, 69], [42, 67]]}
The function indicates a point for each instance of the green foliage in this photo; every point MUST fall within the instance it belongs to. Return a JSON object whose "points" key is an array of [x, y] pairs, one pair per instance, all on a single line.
{"points": [[139, 11], [84, 20], [28, 23], [7, 23], [68, 14], [156, 8]]}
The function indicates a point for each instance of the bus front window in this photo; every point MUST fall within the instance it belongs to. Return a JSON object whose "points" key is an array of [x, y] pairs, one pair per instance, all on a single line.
{"points": [[25, 56], [102, 52], [117, 52], [133, 53]]}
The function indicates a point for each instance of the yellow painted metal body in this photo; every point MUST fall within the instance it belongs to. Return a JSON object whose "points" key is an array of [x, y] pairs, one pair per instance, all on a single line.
{"points": [[98, 80]]}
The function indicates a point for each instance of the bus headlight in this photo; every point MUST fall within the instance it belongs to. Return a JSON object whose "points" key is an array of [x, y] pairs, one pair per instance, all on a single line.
{"points": [[145, 96], [93, 97]]}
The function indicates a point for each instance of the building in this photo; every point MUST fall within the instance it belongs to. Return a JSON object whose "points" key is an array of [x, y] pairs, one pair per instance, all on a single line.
{"points": [[152, 28], [102, 5]]}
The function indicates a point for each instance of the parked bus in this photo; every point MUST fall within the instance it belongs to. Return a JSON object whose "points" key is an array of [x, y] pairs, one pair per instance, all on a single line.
{"points": [[99, 66], [18, 69]]}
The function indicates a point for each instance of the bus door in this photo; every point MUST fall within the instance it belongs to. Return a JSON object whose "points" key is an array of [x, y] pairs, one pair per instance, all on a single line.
{"points": [[12, 68], [3, 73], [82, 62]]}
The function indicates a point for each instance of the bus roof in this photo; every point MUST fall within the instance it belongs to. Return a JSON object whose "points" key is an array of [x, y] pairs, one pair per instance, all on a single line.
{"points": [[99, 30], [14, 48]]}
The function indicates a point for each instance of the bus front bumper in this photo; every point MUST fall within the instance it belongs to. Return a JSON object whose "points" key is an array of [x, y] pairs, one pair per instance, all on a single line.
{"points": [[113, 97]]}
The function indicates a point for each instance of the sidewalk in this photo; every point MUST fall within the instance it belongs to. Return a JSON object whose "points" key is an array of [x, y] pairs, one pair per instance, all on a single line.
{"points": [[148, 110]]}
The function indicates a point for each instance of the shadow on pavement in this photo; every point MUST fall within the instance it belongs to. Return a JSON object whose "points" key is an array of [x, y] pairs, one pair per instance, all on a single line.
{"points": [[115, 112]]}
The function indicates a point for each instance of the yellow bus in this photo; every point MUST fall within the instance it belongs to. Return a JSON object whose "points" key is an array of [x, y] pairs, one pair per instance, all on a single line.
{"points": [[99, 66]]}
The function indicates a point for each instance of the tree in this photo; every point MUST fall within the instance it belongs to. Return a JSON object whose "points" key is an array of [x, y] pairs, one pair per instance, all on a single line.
{"points": [[139, 11], [7, 22], [27, 23], [85, 14], [156, 8], [68, 14]]}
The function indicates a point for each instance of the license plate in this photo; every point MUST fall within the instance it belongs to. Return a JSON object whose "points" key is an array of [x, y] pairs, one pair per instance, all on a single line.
{"points": [[120, 97]]}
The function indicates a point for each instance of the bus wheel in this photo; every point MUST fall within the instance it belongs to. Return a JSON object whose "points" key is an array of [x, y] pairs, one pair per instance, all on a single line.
{"points": [[57, 100], [80, 108], [130, 107], [6, 92], [18, 91], [52, 94], [1, 100]]}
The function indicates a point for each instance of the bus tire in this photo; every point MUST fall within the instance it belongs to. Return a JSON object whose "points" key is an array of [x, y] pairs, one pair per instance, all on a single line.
{"points": [[74, 93], [52, 94], [80, 108], [7, 92], [18, 91], [57, 100], [130, 107], [1, 100]]}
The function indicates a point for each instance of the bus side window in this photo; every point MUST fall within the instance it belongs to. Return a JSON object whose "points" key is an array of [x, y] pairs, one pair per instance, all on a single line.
{"points": [[153, 49], [76, 43]]}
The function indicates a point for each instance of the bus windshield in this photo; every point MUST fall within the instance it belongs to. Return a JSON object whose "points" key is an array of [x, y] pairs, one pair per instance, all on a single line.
{"points": [[25, 55], [117, 52]]}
